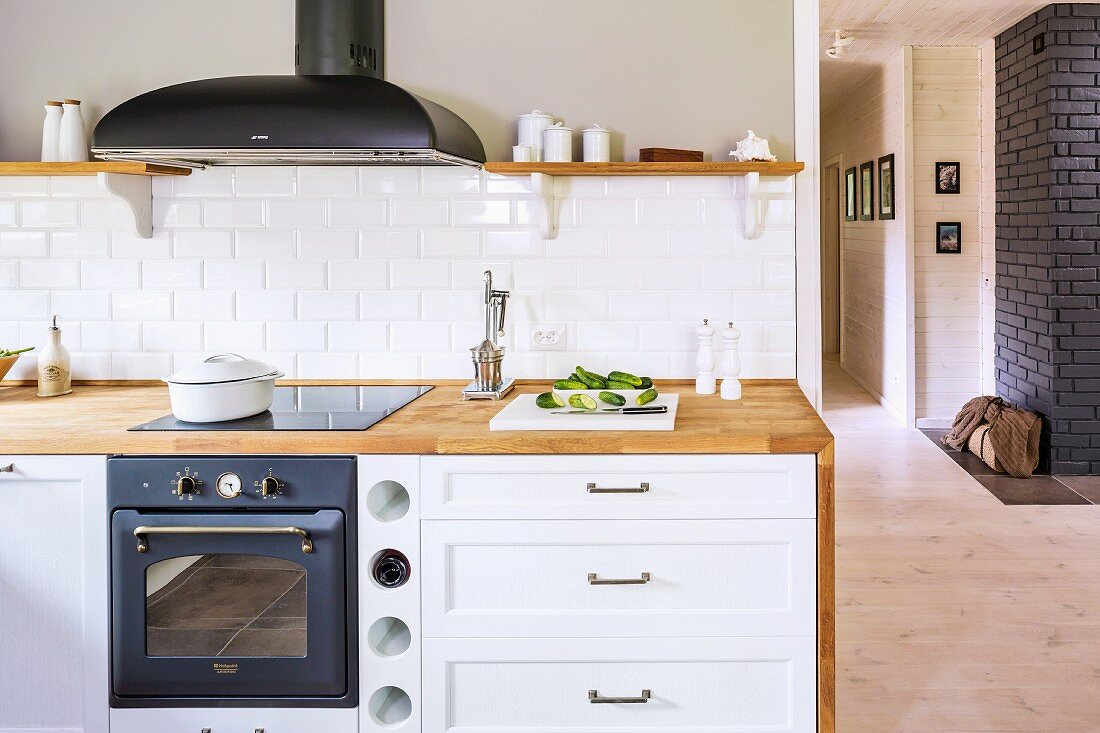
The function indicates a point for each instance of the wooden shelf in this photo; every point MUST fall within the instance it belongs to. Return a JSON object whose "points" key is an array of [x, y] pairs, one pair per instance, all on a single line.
{"points": [[645, 169], [129, 182], [91, 169], [542, 182]]}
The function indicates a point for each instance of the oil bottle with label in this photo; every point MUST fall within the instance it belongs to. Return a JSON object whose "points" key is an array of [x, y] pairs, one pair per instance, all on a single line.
{"points": [[55, 375]]}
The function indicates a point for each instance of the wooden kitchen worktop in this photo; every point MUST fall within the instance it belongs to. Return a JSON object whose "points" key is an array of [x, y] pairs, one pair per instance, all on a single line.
{"points": [[772, 417]]}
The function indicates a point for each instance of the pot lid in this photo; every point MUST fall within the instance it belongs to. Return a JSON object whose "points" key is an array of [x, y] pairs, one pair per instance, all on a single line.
{"points": [[222, 368]]}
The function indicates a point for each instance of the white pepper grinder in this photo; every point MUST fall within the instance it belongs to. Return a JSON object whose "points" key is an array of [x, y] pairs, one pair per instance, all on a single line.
{"points": [[55, 376], [705, 382], [731, 363], [73, 143]]}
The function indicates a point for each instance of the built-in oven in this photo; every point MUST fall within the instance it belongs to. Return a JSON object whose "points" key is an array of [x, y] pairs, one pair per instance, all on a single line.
{"points": [[233, 581]]}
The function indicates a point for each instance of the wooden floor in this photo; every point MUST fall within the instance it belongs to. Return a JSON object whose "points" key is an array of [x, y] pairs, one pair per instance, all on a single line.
{"points": [[954, 612]]}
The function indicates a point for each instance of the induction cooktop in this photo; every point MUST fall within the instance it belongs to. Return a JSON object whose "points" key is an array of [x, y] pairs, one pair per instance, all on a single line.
{"points": [[311, 408]]}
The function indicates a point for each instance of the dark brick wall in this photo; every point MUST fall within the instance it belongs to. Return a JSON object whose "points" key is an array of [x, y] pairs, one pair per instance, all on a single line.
{"points": [[1048, 229]]}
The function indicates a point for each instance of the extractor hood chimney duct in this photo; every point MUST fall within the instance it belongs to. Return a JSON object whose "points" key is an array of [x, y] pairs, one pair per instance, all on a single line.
{"points": [[340, 37]]}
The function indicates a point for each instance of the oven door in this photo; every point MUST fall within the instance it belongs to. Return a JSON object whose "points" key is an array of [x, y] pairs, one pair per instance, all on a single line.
{"points": [[229, 605]]}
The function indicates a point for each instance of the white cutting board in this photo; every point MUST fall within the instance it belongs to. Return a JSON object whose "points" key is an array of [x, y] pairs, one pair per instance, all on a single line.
{"points": [[523, 414]]}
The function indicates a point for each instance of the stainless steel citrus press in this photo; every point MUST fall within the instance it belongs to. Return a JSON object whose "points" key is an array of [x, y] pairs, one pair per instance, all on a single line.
{"points": [[488, 356]]}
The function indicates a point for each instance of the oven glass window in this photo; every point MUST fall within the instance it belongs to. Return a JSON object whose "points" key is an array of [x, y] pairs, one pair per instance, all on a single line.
{"points": [[225, 606]]}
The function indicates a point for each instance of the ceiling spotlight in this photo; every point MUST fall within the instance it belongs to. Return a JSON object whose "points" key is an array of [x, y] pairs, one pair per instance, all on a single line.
{"points": [[840, 45]]}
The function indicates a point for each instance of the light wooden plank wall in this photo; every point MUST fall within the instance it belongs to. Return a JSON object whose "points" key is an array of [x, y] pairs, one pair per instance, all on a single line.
{"points": [[947, 126], [865, 125]]}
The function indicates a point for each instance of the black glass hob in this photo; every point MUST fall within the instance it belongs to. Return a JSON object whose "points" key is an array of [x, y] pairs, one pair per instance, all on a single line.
{"points": [[311, 408]]}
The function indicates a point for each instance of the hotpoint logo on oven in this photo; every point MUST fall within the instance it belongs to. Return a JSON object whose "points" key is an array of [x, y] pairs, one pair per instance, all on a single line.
{"points": [[222, 668]]}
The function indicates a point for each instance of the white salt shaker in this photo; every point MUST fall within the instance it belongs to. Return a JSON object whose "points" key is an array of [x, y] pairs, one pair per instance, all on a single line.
{"points": [[731, 363], [51, 133], [530, 127], [74, 138], [597, 144], [705, 382], [557, 144]]}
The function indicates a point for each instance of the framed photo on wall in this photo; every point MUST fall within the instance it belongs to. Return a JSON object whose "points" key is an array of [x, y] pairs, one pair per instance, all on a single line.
{"points": [[948, 237], [851, 205], [886, 187], [948, 178], [867, 192]]}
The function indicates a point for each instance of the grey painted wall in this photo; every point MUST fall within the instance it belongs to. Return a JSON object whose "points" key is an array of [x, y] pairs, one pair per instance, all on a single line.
{"points": [[691, 74]]}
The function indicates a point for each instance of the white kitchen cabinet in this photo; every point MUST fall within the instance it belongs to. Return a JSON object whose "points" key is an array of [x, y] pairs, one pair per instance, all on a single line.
{"points": [[619, 487], [747, 577], [53, 593], [729, 685]]}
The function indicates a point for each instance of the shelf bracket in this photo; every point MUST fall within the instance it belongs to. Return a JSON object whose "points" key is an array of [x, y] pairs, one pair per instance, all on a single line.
{"points": [[752, 205], [137, 193], [542, 184]]}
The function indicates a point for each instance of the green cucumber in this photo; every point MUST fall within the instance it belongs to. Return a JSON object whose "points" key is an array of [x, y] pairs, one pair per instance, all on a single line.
{"points": [[612, 399], [582, 402], [569, 384], [648, 396], [646, 383], [549, 400], [625, 377], [619, 385], [592, 380]]}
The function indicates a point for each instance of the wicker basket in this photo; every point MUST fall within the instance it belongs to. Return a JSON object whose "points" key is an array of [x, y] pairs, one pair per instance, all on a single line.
{"points": [[982, 447]]}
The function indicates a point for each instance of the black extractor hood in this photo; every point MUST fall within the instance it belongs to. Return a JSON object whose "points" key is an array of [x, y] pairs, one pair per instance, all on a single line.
{"points": [[336, 109]]}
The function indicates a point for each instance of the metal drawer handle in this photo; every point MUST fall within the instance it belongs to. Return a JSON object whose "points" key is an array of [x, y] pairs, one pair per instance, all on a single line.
{"points": [[10, 468], [642, 488], [143, 545], [594, 697], [593, 579]]}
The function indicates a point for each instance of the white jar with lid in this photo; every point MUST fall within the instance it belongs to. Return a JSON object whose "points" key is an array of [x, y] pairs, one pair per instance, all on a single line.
{"points": [[557, 144], [530, 127], [597, 144]]}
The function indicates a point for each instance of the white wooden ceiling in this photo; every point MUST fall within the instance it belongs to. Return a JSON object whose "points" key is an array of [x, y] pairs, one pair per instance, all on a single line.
{"points": [[882, 26]]}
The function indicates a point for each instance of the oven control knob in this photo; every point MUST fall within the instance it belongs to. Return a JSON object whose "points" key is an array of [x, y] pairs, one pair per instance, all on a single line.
{"points": [[186, 485], [270, 487], [391, 569]]}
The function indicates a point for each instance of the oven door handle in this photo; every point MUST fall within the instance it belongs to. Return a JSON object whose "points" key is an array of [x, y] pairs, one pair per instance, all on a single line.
{"points": [[143, 544]]}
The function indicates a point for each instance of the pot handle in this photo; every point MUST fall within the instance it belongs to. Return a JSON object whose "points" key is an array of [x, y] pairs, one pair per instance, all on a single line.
{"points": [[223, 357]]}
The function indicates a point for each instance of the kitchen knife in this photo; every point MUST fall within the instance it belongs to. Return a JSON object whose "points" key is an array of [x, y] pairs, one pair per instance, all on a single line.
{"points": [[644, 410]]}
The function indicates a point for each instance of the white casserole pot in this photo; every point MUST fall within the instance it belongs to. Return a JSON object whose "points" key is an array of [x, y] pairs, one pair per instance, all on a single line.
{"points": [[223, 387]]}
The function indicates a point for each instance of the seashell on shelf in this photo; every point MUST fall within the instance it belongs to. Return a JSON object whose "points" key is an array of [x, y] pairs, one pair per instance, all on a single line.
{"points": [[753, 148]]}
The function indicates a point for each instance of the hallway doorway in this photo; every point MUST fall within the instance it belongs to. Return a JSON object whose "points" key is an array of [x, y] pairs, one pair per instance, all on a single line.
{"points": [[830, 260]]}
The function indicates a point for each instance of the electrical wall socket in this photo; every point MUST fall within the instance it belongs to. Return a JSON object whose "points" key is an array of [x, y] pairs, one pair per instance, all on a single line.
{"points": [[548, 337]]}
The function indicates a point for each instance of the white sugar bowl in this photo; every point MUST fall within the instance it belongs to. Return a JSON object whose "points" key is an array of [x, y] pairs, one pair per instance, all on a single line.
{"points": [[557, 144], [597, 144]]}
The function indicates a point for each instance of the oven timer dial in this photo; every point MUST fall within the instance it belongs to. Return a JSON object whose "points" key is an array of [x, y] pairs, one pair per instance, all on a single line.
{"points": [[186, 484], [228, 485], [269, 486]]}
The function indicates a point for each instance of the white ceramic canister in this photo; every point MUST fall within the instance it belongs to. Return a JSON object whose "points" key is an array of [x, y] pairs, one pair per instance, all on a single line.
{"points": [[557, 144], [521, 153], [597, 144], [74, 138], [530, 127], [51, 133]]}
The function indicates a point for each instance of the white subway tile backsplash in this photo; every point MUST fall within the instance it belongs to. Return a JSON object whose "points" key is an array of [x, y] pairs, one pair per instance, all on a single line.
{"points": [[49, 273], [110, 274], [420, 212], [233, 275], [176, 274], [328, 244], [264, 180], [233, 213], [357, 274], [377, 271], [88, 366], [295, 212], [388, 181], [357, 336], [141, 305], [450, 243], [337, 180], [51, 212], [267, 305], [327, 305], [295, 274], [357, 212], [296, 336], [234, 336], [76, 186]]}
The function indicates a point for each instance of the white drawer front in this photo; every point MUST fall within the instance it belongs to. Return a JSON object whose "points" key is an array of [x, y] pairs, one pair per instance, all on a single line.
{"points": [[679, 487], [705, 578], [711, 685]]}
